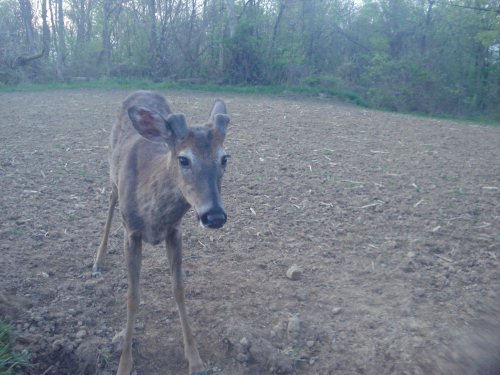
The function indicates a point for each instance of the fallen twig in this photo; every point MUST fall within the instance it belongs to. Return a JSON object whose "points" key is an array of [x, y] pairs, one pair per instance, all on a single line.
{"points": [[48, 370], [326, 204], [353, 182], [444, 258], [372, 204]]}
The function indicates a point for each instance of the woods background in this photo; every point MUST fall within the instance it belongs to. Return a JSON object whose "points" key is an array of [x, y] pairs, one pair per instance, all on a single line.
{"points": [[429, 56]]}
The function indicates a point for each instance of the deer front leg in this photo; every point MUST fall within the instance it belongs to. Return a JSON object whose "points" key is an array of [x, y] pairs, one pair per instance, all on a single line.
{"points": [[174, 252], [133, 254], [98, 261]]}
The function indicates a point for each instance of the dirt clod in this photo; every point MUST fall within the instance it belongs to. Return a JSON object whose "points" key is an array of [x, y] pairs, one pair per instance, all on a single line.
{"points": [[294, 272]]}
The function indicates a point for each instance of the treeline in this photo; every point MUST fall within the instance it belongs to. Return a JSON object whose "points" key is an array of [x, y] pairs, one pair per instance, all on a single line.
{"points": [[430, 56]]}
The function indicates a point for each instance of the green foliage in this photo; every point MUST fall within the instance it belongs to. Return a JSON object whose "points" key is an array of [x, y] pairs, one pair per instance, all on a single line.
{"points": [[244, 63], [400, 85], [147, 84], [326, 81], [10, 361], [406, 55]]}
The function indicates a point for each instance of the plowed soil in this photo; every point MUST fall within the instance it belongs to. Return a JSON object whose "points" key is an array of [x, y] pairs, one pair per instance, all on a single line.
{"points": [[393, 221]]}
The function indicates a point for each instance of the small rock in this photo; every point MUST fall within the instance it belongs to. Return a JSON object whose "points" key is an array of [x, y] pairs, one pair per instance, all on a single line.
{"points": [[409, 267], [294, 272], [64, 345], [118, 340], [241, 357], [293, 328], [310, 344], [81, 334], [92, 283], [57, 344], [336, 310], [302, 294], [413, 325], [27, 339], [49, 328], [420, 292], [244, 345]]}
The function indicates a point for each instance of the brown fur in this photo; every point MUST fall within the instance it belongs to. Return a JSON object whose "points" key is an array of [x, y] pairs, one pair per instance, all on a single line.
{"points": [[154, 190]]}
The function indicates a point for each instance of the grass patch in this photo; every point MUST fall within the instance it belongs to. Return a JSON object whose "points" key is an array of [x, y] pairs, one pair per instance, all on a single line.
{"points": [[10, 361], [116, 83], [466, 119], [302, 89]]}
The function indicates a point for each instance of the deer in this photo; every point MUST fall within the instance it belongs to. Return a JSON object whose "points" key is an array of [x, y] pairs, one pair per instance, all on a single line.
{"points": [[159, 168]]}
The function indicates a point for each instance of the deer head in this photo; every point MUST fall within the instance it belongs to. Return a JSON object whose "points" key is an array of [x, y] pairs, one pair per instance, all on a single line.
{"points": [[197, 157]]}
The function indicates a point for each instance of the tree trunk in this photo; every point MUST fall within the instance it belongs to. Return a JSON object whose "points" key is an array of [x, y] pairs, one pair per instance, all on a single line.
{"points": [[27, 17], [281, 9], [106, 42], [153, 40], [60, 42], [428, 20], [23, 60], [80, 24], [221, 43], [45, 31], [307, 26], [232, 18]]}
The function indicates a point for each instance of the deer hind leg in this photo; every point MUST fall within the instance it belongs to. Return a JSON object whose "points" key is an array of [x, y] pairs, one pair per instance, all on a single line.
{"points": [[101, 251], [174, 252], [133, 254]]}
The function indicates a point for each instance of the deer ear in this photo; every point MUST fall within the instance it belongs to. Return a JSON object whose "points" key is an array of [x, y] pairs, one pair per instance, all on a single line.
{"points": [[152, 126], [218, 107], [177, 123], [221, 121], [149, 124], [219, 117]]}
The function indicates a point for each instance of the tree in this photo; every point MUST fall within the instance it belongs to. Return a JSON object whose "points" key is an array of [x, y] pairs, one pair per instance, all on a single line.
{"points": [[107, 9], [153, 41], [27, 18], [61, 49], [410, 55], [45, 30]]}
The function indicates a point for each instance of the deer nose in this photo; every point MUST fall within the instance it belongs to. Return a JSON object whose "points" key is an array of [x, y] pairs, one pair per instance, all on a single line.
{"points": [[213, 219]]}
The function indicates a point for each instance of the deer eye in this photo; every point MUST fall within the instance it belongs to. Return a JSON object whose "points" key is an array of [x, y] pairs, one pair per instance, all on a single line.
{"points": [[223, 160], [184, 162]]}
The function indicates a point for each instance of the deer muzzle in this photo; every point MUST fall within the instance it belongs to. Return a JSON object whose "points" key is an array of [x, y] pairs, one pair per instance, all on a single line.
{"points": [[214, 218]]}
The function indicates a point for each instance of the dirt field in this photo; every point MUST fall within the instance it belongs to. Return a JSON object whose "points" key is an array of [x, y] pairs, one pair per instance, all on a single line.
{"points": [[394, 221]]}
